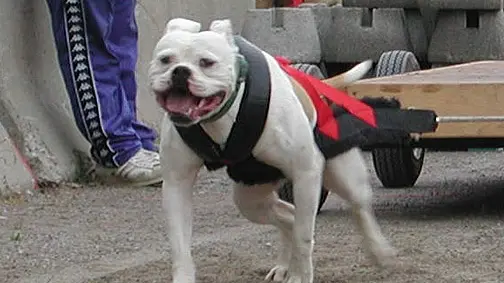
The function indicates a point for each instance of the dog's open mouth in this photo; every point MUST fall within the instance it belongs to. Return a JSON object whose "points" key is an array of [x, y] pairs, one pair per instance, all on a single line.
{"points": [[189, 105]]}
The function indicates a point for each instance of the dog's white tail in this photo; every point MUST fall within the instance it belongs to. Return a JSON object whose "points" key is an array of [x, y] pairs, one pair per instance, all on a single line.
{"points": [[350, 76]]}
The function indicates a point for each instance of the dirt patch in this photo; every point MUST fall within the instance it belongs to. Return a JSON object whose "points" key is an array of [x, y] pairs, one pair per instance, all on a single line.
{"points": [[448, 228], [430, 251]]}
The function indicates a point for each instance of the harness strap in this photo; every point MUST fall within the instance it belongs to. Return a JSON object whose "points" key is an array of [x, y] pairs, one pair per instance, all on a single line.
{"points": [[254, 107], [325, 119], [201, 143], [250, 120]]}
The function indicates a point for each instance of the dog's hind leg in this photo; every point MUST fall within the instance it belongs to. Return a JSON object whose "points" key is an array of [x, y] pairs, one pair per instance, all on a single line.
{"points": [[307, 180], [303, 163], [347, 176], [260, 204]]}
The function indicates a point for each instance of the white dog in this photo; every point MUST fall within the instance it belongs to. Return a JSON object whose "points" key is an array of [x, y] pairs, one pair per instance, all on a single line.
{"points": [[196, 76]]}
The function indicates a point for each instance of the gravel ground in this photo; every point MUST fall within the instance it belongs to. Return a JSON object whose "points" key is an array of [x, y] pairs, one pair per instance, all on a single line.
{"points": [[447, 229]]}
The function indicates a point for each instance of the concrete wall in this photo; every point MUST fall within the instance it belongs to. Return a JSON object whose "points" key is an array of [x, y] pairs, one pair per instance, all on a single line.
{"points": [[34, 107]]}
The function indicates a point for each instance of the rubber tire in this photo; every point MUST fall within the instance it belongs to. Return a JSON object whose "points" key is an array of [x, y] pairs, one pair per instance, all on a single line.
{"points": [[309, 69], [285, 192], [397, 167]]}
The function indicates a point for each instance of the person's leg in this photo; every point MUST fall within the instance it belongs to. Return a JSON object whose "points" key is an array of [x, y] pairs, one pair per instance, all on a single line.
{"points": [[124, 41], [92, 74]]}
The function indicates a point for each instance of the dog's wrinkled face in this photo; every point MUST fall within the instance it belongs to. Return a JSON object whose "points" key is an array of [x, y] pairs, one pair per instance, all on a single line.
{"points": [[192, 73]]}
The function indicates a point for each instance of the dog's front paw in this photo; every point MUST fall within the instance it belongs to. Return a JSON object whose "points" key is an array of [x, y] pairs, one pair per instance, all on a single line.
{"points": [[383, 255], [184, 277], [301, 278], [277, 274], [303, 274]]}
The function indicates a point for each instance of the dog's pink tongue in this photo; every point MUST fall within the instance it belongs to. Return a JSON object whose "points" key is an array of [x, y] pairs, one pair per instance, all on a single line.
{"points": [[191, 106], [181, 105], [205, 105]]}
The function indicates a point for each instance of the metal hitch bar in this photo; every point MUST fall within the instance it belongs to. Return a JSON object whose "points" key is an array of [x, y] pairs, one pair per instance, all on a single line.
{"points": [[468, 119]]}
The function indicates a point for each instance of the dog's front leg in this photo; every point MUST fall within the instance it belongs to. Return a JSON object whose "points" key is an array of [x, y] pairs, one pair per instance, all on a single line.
{"points": [[177, 204], [180, 169], [307, 181]]}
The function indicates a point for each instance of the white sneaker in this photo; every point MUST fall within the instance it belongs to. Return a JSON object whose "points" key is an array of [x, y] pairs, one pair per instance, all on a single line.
{"points": [[143, 169]]}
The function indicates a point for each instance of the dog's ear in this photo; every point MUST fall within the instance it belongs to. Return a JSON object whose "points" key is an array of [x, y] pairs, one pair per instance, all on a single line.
{"points": [[183, 25], [225, 28]]}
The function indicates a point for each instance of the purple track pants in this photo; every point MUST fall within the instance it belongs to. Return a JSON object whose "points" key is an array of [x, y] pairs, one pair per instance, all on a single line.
{"points": [[96, 42]]}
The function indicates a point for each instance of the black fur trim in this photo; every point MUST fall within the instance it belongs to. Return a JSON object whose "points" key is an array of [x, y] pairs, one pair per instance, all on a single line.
{"points": [[381, 102], [252, 172], [393, 127]]}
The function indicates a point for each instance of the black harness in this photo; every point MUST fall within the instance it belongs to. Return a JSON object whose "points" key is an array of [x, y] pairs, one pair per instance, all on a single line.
{"points": [[394, 126], [246, 130]]}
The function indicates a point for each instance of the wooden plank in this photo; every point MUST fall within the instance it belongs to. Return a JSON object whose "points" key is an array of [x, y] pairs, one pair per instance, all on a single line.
{"points": [[481, 72], [474, 89]]}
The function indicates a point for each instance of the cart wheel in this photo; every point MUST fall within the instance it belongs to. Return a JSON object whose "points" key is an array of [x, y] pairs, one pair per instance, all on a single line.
{"points": [[285, 192], [397, 167], [309, 69]]}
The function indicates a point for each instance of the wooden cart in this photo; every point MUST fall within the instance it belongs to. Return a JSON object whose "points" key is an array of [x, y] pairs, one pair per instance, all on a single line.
{"points": [[468, 99]]}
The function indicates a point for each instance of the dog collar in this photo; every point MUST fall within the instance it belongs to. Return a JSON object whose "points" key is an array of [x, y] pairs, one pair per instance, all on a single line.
{"points": [[241, 69]]}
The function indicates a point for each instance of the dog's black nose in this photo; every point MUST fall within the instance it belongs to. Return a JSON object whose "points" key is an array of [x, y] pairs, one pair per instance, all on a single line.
{"points": [[181, 74]]}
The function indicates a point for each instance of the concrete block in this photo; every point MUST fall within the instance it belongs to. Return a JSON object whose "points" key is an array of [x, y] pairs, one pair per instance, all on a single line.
{"points": [[436, 4], [204, 11], [15, 173], [288, 32], [465, 4], [429, 16], [418, 33], [326, 2], [408, 4], [420, 28], [350, 35], [462, 36]]}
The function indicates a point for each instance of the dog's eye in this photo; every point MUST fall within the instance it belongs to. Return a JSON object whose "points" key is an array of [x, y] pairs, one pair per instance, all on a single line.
{"points": [[165, 60], [206, 63]]}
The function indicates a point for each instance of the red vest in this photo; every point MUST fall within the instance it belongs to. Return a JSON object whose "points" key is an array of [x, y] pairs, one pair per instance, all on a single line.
{"points": [[325, 119], [295, 3]]}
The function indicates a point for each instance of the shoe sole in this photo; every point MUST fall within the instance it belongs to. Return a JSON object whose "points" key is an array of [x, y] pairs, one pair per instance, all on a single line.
{"points": [[119, 181], [106, 178]]}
